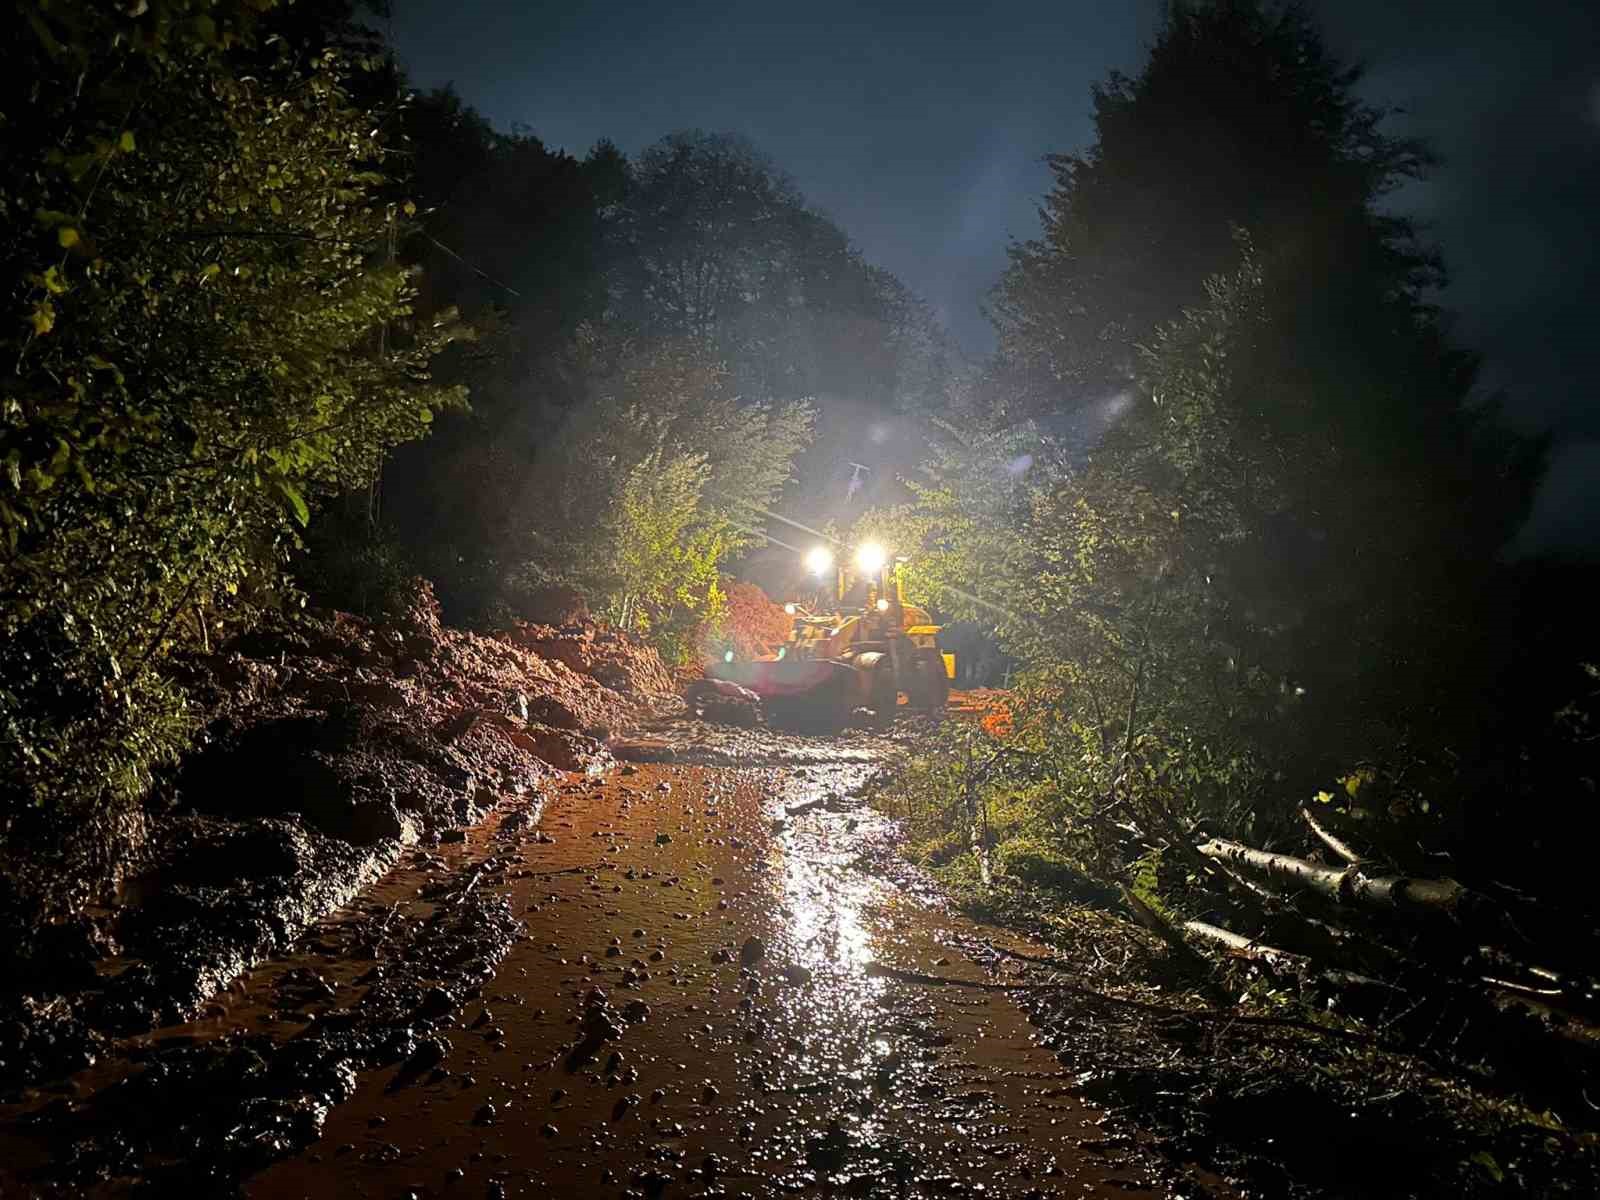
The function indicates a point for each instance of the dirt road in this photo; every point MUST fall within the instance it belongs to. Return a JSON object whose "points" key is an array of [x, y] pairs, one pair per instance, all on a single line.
{"points": [[695, 1004]]}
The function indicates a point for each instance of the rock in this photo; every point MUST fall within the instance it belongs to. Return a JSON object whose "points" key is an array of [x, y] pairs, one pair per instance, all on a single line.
{"points": [[564, 749], [436, 1002], [485, 1115], [796, 975], [753, 951], [428, 1054]]}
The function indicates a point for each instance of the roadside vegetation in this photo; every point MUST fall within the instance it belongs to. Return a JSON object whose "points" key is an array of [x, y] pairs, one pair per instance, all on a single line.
{"points": [[1238, 510]]}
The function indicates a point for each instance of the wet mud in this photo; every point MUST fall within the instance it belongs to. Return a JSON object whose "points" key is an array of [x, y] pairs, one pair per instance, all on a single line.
{"points": [[684, 980]]}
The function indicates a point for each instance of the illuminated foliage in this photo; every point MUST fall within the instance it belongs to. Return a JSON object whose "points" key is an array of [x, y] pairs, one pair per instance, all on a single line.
{"points": [[204, 335], [649, 486]]}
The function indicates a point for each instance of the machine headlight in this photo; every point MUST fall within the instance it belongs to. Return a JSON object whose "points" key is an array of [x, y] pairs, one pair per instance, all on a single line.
{"points": [[789, 608], [870, 557], [818, 560], [883, 604]]}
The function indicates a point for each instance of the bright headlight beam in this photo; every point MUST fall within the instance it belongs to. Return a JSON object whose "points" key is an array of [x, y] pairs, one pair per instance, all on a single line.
{"points": [[870, 557], [818, 560]]}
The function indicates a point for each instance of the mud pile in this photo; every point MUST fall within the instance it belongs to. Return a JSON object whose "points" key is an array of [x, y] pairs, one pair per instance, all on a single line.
{"points": [[330, 743], [610, 656]]}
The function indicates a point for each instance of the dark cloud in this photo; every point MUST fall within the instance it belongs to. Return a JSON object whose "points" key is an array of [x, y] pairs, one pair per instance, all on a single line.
{"points": [[920, 126]]}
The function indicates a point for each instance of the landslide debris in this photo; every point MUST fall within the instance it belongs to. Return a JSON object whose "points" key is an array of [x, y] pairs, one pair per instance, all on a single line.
{"points": [[201, 1114], [330, 743]]}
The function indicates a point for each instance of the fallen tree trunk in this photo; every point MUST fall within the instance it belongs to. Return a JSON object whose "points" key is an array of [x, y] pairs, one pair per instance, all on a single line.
{"points": [[1162, 928], [1346, 885], [1286, 960], [1243, 947], [1330, 839]]}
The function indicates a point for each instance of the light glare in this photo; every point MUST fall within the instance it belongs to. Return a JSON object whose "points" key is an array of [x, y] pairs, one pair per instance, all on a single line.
{"points": [[818, 560], [870, 557]]}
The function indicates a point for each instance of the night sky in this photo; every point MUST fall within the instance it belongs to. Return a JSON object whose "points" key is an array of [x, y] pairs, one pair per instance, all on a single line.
{"points": [[919, 128]]}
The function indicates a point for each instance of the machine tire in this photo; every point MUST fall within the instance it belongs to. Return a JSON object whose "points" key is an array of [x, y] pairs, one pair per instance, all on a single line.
{"points": [[882, 694], [932, 685]]}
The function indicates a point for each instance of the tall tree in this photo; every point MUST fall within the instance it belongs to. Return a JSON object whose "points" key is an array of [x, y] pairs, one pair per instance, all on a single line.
{"points": [[1265, 544], [509, 232], [712, 243], [1241, 118]]}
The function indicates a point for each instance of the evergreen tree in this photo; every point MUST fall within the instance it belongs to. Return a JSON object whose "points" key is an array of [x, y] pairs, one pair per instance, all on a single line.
{"points": [[1241, 118]]}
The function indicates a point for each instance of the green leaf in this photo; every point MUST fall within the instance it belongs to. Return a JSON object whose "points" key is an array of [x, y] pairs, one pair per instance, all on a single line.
{"points": [[297, 502], [1487, 1161], [67, 236], [51, 281], [126, 141]]}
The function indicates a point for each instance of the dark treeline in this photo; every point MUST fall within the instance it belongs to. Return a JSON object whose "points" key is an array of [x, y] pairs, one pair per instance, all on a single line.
{"points": [[692, 289]]}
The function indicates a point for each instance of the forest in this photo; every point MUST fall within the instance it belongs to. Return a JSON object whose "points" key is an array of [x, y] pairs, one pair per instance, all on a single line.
{"points": [[1229, 501]]}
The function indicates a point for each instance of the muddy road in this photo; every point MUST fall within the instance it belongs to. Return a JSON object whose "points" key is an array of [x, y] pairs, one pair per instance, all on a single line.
{"points": [[683, 979]]}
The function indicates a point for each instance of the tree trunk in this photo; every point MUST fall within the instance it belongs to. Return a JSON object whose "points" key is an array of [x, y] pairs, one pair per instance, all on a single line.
{"points": [[1162, 928], [1330, 839], [1347, 885]]}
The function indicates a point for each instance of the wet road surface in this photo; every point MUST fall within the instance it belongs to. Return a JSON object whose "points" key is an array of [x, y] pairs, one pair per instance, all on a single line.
{"points": [[695, 1009]]}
